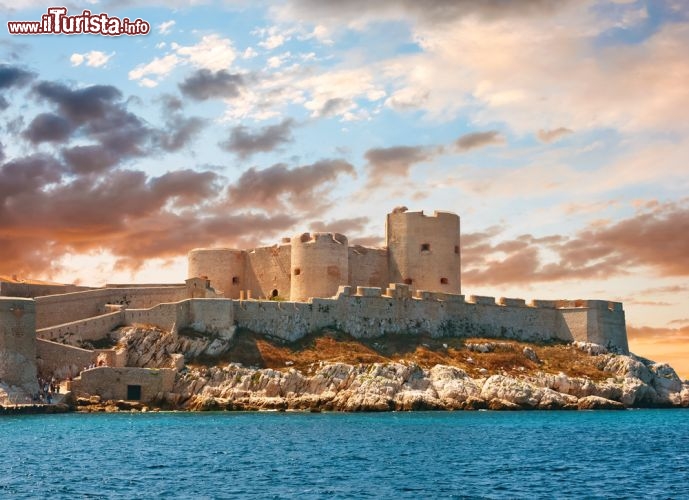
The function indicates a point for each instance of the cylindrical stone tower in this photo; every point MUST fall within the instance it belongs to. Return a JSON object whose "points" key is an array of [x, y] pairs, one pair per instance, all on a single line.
{"points": [[18, 345], [423, 250], [320, 264], [224, 267]]}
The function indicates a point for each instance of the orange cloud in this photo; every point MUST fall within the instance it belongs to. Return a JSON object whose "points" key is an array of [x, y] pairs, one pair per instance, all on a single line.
{"points": [[656, 237]]}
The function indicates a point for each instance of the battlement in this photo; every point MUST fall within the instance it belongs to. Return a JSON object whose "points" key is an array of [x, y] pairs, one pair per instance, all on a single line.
{"points": [[436, 214], [320, 238]]}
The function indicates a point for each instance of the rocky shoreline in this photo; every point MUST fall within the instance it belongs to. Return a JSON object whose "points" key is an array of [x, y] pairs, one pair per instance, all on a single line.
{"points": [[514, 378], [424, 374], [407, 387]]}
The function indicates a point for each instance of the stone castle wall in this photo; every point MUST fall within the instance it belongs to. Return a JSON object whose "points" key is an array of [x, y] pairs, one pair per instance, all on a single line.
{"points": [[368, 313], [60, 360], [54, 310], [267, 272], [18, 344], [368, 266], [88, 329]]}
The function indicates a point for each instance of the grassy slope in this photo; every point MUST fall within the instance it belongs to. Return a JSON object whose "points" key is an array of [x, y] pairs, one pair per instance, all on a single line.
{"points": [[257, 350]]}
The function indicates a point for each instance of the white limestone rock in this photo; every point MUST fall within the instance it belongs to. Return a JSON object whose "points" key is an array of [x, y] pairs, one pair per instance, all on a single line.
{"points": [[590, 348], [629, 366], [453, 384], [598, 403]]}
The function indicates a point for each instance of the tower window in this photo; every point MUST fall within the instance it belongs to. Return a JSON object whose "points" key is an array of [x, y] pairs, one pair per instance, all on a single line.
{"points": [[297, 271], [457, 249], [443, 281], [235, 280], [408, 281], [425, 247]]}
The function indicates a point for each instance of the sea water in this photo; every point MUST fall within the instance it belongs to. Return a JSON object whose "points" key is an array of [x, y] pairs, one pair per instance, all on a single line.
{"points": [[548, 454]]}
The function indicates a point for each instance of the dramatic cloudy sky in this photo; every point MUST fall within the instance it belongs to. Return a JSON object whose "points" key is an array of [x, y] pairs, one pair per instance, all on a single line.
{"points": [[557, 129]]}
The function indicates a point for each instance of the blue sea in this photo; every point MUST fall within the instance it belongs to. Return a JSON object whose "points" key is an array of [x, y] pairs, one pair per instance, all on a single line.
{"points": [[623, 454]]}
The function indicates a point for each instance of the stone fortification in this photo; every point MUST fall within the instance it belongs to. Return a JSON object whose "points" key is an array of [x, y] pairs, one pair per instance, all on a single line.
{"points": [[369, 312], [18, 346], [372, 312], [54, 310], [422, 250], [320, 264]]}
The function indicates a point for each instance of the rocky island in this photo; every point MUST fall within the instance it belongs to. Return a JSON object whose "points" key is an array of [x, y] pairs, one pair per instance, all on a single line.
{"points": [[314, 324]]}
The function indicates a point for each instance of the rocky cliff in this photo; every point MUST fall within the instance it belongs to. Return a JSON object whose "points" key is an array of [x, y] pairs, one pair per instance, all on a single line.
{"points": [[334, 372]]}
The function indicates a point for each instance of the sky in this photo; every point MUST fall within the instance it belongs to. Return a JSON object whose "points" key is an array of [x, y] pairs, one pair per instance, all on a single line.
{"points": [[556, 129]]}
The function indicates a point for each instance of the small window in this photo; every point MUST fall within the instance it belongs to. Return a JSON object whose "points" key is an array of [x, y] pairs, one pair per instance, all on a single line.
{"points": [[274, 293], [408, 281], [235, 280], [425, 247], [443, 281], [133, 392], [457, 249], [297, 271]]}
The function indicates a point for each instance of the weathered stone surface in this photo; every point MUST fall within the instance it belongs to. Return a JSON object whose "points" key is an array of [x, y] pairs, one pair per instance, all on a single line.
{"points": [[503, 405], [598, 403]]}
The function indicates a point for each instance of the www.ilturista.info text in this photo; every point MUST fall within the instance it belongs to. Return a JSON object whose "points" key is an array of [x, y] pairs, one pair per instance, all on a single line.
{"points": [[57, 22]]}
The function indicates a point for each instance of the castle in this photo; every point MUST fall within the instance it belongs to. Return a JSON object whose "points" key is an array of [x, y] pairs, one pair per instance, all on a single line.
{"points": [[421, 251], [304, 284]]}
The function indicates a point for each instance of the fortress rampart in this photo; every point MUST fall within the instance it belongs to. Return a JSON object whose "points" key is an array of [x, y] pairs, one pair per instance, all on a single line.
{"points": [[18, 344], [69, 307], [367, 312]]}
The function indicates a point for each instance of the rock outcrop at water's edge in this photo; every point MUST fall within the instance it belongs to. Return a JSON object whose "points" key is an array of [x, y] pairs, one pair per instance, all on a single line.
{"points": [[406, 386], [624, 381]]}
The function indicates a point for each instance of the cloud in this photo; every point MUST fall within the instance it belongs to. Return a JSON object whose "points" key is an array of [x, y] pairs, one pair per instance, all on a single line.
{"points": [[358, 12], [387, 163], [553, 135], [158, 67], [211, 53], [99, 114], [348, 227], [656, 238], [94, 58], [81, 198], [80, 105], [204, 84], [245, 143], [304, 188], [13, 76], [340, 86], [179, 132], [165, 28], [48, 127], [475, 140], [81, 213]]}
